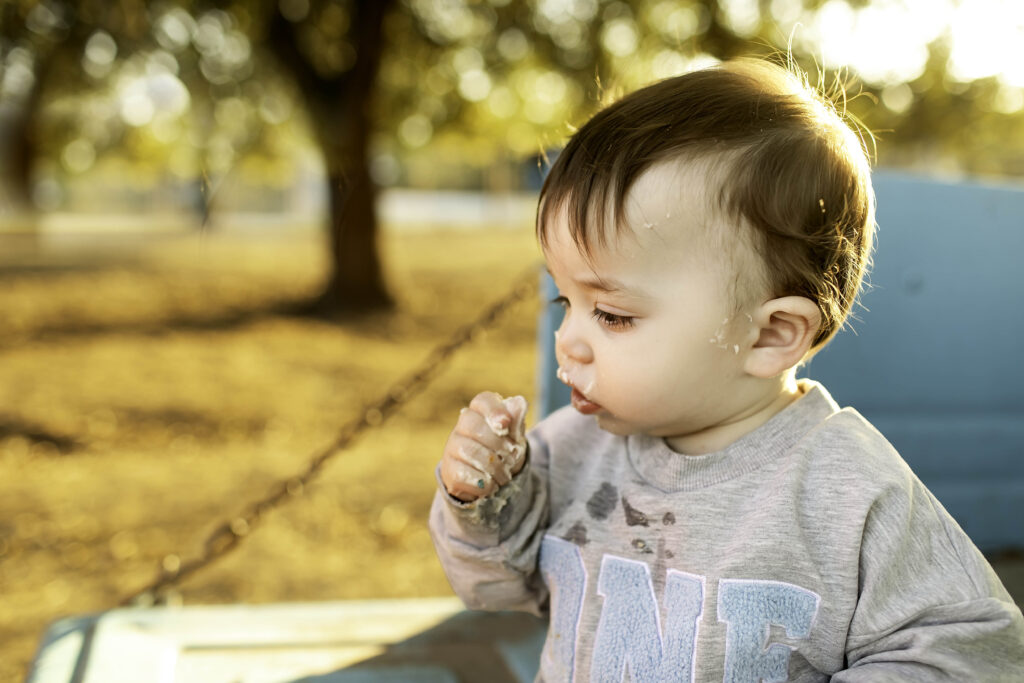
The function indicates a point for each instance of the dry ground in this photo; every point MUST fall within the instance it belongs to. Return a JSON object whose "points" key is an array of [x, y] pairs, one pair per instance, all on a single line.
{"points": [[147, 392]]}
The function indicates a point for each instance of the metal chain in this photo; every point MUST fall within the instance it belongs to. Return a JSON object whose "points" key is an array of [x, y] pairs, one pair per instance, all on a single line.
{"points": [[229, 533]]}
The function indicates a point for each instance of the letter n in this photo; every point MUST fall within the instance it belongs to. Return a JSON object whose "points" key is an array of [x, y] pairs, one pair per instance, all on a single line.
{"points": [[630, 633]]}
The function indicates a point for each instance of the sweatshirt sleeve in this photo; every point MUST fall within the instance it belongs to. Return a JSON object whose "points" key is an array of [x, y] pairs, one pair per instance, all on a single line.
{"points": [[489, 548], [930, 607]]}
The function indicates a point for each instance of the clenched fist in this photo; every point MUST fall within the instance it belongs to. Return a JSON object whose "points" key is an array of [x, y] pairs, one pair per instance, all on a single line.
{"points": [[486, 448]]}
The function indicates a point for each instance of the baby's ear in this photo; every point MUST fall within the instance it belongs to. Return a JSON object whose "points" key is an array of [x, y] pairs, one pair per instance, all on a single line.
{"points": [[786, 328]]}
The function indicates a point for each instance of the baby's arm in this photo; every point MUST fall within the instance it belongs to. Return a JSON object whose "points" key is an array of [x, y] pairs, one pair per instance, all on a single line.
{"points": [[931, 608], [490, 508]]}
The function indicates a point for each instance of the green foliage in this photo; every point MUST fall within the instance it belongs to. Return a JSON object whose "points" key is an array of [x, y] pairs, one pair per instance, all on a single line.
{"points": [[186, 87]]}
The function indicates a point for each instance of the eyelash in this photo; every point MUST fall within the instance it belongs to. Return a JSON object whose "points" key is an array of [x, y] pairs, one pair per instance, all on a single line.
{"points": [[609, 320]]}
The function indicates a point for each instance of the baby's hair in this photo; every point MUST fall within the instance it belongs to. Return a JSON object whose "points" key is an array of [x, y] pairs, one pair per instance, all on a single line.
{"points": [[784, 161]]}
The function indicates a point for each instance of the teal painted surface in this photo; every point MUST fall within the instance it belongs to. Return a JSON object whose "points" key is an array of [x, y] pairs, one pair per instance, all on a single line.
{"points": [[933, 359], [427, 640], [551, 393]]}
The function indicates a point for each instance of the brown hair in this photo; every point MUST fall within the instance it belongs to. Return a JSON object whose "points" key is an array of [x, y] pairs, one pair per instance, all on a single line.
{"points": [[790, 168]]}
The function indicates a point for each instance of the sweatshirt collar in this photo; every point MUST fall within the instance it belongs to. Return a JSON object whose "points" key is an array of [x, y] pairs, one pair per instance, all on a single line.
{"points": [[667, 470]]}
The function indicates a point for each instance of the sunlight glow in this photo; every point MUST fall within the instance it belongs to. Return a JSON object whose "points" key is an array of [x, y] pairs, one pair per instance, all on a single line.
{"points": [[742, 16], [678, 23], [619, 37], [143, 98], [474, 85], [886, 42], [988, 40]]}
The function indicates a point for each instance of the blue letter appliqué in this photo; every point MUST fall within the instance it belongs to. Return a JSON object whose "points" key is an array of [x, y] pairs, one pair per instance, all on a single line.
{"points": [[631, 637], [750, 608], [563, 571], [630, 633]]}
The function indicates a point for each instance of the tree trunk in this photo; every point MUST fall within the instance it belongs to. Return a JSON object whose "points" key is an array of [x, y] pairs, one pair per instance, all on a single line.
{"points": [[339, 109], [18, 150], [356, 282], [16, 153]]}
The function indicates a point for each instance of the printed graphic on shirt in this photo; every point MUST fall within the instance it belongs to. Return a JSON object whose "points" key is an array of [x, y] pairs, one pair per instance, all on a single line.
{"points": [[566, 579], [630, 631], [750, 608], [630, 635]]}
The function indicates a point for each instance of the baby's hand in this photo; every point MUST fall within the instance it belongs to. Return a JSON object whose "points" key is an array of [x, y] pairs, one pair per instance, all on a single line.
{"points": [[486, 448]]}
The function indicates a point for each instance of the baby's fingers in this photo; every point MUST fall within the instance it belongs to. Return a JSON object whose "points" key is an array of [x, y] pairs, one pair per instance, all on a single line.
{"points": [[480, 458], [464, 481], [492, 408], [474, 426]]}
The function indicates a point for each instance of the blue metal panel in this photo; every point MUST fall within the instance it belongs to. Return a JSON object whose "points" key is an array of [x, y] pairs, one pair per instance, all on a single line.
{"points": [[551, 393], [944, 304], [932, 360], [932, 356]]}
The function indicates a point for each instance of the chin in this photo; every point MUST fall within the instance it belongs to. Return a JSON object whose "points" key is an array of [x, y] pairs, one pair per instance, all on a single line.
{"points": [[616, 427]]}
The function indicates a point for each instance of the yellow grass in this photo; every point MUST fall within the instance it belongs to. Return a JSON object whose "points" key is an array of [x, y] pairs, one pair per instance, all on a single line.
{"points": [[147, 393]]}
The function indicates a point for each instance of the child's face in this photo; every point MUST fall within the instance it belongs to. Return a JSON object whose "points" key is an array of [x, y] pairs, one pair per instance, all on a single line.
{"points": [[651, 341]]}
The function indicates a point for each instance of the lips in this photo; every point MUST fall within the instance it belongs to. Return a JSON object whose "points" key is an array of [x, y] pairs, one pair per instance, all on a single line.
{"points": [[579, 400], [584, 404]]}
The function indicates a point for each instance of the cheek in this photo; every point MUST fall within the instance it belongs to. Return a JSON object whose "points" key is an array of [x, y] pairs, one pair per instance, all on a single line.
{"points": [[673, 360], [635, 370]]}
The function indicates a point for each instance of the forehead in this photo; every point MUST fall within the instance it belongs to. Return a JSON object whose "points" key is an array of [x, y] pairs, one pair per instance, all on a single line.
{"points": [[671, 200], [672, 220], [662, 217], [670, 210]]}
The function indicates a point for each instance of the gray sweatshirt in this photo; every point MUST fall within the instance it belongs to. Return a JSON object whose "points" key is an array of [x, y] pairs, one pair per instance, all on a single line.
{"points": [[805, 551]]}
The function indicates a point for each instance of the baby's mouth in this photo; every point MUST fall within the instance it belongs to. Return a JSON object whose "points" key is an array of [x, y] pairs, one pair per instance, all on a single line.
{"points": [[584, 404], [580, 401]]}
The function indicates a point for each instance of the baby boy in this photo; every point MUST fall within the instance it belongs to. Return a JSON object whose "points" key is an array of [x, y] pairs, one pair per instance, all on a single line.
{"points": [[699, 513]]}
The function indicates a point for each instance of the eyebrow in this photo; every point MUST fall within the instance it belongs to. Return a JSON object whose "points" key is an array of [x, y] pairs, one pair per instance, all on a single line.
{"points": [[609, 285], [602, 284]]}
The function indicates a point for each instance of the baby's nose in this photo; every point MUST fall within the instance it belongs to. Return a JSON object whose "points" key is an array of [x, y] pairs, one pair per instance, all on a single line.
{"points": [[570, 345]]}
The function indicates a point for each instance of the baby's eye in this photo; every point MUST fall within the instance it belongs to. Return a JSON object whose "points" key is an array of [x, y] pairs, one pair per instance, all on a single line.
{"points": [[561, 301], [612, 321]]}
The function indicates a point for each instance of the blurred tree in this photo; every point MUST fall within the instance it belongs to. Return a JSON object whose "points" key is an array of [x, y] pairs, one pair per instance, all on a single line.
{"points": [[43, 47], [508, 73], [332, 51], [424, 82], [33, 41]]}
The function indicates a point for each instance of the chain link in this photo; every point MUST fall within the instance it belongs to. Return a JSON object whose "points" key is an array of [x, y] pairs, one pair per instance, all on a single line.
{"points": [[230, 532]]}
